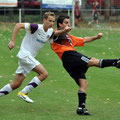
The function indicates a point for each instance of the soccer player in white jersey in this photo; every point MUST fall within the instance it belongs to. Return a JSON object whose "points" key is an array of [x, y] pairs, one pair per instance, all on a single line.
{"points": [[36, 36]]}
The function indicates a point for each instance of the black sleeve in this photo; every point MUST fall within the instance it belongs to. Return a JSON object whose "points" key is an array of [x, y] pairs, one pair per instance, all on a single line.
{"points": [[52, 35], [60, 38], [55, 38]]}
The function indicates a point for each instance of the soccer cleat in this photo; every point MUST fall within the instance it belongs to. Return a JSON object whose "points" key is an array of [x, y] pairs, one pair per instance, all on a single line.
{"points": [[118, 64], [83, 111], [24, 97]]}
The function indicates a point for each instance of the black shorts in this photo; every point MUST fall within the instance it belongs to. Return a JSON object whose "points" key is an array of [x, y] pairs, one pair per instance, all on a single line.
{"points": [[77, 16], [75, 64], [95, 16]]}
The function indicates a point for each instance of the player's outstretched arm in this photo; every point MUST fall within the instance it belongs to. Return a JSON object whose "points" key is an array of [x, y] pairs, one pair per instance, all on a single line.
{"points": [[90, 39], [17, 27], [65, 30]]}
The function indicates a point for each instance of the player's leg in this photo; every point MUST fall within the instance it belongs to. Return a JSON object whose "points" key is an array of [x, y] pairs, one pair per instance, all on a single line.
{"points": [[82, 97], [29, 64], [97, 22], [104, 62], [82, 92], [42, 75], [77, 21], [14, 85], [42, 72], [76, 66]]}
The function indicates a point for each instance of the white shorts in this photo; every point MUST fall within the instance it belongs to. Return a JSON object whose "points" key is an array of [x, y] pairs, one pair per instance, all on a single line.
{"points": [[26, 64]]}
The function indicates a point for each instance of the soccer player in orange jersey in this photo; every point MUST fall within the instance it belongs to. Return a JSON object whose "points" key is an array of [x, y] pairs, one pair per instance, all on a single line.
{"points": [[77, 64]]}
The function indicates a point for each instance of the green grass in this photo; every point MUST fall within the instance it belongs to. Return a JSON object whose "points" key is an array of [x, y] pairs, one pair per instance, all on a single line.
{"points": [[56, 98]]}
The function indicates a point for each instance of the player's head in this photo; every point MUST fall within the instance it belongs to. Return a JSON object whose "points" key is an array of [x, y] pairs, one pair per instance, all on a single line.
{"points": [[49, 19], [47, 14], [77, 2], [63, 21]]}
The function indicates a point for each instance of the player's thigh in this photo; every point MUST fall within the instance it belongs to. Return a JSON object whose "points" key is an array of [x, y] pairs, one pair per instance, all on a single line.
{"points": [[40, 69], [93, 62]]}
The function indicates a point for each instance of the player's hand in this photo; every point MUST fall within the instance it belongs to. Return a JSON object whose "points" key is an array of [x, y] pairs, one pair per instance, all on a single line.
{"points": [[67, 29], [99, 35], [11, 45]]}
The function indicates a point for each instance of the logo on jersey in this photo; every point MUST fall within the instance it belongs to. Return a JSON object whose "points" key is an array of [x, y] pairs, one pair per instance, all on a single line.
{"points": [[40, 41], [69, 39], [48, 36]]}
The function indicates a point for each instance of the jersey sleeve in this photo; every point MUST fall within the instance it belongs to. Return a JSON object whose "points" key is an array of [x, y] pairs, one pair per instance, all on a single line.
{"points": [[27, 27], [31, 27], [52, 35], [77, 41]]}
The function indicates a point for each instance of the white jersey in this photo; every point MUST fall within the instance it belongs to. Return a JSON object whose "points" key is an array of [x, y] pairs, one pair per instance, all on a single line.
{"points": [[34, 39]]}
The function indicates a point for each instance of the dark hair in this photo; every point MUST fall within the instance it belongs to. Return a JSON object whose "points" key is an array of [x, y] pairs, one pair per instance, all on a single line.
{"points": [[61, 19], [46, 14]]}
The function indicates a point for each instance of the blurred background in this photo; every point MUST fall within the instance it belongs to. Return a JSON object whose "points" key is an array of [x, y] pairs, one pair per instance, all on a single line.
{"points": [[33, 10]]}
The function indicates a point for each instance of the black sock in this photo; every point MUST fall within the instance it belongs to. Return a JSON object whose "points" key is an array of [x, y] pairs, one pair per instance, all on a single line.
{"points": [[81, 99], [107, 62]]}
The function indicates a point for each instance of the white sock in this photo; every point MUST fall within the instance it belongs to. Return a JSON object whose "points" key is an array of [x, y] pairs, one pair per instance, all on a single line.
{"points": [[33, 84], [5, 90]]}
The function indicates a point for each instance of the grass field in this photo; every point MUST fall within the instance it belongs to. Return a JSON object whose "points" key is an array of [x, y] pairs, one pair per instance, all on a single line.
{"points": [[56, 98]]}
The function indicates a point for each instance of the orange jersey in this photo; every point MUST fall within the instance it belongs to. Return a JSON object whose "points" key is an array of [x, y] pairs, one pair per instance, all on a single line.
{"points": [[66, 42]]}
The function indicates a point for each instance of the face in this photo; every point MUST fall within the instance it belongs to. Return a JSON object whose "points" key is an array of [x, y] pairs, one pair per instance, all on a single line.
{"points": [[48, 23], [77, 3], [66, 23]]}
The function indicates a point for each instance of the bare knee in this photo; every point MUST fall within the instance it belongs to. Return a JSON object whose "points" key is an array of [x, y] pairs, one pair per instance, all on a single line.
{"points": [[42, 72], [43, 76], [83, 85], [86, 83], [93, 62]]}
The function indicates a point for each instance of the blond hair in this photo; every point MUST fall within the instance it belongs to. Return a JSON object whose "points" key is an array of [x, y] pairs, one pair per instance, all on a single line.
{"points": [[46, 14]]}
